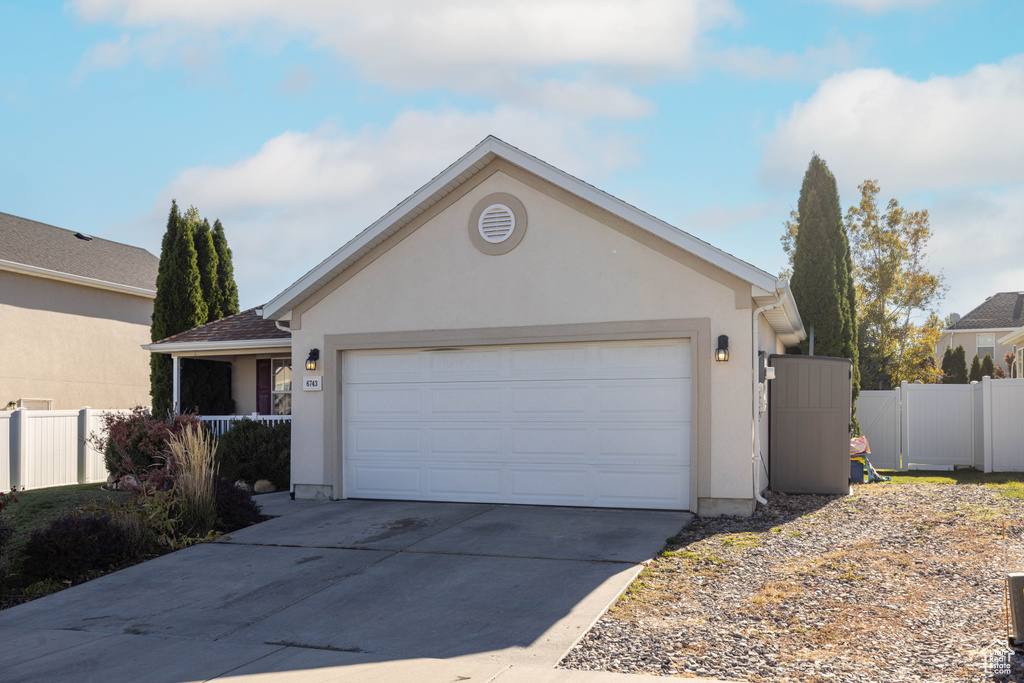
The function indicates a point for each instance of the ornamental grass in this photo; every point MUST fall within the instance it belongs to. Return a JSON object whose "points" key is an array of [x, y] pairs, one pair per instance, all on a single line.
{"points": [[192, 453]]}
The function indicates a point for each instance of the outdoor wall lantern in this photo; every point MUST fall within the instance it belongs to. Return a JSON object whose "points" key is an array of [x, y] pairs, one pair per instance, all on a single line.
{"points": [[314, 356], [722, 352]]}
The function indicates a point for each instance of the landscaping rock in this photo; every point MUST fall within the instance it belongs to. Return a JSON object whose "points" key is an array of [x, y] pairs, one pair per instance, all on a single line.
{"points": [[895, 583], [244, 485], [111, 481], [129, 482], [264, 486]]}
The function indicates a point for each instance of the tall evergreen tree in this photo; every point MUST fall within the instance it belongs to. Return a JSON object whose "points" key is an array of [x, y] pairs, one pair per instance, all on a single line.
{"points": [[179, 304], [988, 367], [820, 276], [975, 374], [947, 366], [228, 304], [959, 366], [206, 255], [822, 280]]}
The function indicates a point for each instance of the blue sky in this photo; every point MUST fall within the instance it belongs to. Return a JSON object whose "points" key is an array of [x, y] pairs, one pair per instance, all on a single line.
{"points": [[299, 123]]}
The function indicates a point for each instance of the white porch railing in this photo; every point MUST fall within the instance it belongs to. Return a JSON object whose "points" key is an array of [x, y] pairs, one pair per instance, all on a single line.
{"points": [[219, 424]]}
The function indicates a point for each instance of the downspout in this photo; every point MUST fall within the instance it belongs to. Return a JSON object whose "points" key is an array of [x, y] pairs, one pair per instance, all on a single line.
{"points": [[277, 324], [755, 413]]}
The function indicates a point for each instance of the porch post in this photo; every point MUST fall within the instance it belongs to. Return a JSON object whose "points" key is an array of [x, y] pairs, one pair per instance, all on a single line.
{"points": [[176, 391]]}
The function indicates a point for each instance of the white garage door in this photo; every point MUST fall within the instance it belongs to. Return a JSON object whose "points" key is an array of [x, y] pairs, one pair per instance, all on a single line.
{"points": [[604, 424]]}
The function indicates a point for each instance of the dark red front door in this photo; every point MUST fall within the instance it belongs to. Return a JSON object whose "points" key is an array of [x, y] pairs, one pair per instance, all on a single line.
{"points": [[264, 404]]}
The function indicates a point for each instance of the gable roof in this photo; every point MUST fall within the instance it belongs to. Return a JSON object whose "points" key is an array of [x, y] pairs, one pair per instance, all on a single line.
{"points": [[247, 329], [488, 150], [33, 248], [1004, 310]]}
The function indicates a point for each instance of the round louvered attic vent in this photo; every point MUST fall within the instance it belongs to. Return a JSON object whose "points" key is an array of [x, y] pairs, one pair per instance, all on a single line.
{"points": [[496, 223]]}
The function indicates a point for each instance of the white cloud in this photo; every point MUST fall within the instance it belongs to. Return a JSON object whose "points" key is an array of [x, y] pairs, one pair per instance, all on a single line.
{"points": [[978, 244], [944, 132], [815, 62], [468, 46], [303, 195]]}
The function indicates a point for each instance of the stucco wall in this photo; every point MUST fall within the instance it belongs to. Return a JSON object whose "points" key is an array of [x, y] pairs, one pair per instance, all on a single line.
{"points": [[576, 264], [79, 346], [969, 340]]}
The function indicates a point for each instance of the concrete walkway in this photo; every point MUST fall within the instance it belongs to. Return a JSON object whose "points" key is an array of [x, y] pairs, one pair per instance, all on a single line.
{"points": [[349, 591]]}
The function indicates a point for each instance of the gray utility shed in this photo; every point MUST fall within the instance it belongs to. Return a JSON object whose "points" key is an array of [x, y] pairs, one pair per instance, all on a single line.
{"points": [[810, 416]]}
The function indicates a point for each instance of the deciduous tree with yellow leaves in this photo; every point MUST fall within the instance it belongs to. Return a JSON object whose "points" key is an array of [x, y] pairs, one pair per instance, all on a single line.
{"points": [[896, 293]]}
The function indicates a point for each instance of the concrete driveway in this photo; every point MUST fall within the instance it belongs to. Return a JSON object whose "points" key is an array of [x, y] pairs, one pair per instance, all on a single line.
{"points": [[349, 590]]}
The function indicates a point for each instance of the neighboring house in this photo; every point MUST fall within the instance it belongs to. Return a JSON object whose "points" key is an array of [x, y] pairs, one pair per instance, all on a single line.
{"points": [[258, 350], [512, 334], [1015, 340], [985, 329], [74, 310]]}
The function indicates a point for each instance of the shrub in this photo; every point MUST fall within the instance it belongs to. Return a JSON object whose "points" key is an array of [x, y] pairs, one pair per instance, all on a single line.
{"points": [[252, 450], [136, 441], [74, 545], [235, 508], [6, 534], [192, 462]]}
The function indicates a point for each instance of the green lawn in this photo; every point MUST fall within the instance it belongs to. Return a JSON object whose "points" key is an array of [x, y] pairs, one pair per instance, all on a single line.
{"points": [[37, 507], [1010, 484]]}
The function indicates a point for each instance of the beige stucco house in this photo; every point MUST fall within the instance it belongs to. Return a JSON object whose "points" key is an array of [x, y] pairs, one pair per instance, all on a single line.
{"points": [[512, 334], [986, 329], [74, 311]]}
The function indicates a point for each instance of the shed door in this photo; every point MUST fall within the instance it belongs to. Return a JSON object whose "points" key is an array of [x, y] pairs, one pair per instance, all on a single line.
{"points": [[603, 424]]}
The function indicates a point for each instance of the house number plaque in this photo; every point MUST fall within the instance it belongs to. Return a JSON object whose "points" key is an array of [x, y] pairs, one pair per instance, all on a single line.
{"points": [[313, 383]]}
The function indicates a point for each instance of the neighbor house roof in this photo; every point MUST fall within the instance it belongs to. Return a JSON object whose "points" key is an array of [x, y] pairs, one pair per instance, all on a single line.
{"points": [[1000, 311], [765, 287], [245, 330], [33, 248]]}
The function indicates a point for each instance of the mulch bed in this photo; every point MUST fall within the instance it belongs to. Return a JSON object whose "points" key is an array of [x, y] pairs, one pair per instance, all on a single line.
{"points": [[894, 583]]}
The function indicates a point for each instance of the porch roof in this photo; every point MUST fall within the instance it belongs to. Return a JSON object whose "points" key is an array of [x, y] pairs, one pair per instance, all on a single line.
{"points": [[242, 331]]}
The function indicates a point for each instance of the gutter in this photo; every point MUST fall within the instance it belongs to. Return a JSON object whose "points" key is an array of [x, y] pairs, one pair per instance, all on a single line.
{"points": [[23, 269], [755, 414]]}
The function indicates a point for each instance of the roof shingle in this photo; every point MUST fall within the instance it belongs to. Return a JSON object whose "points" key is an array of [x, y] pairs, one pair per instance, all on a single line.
{"points": [[244, 326], [1002, 310], [40, 245]]}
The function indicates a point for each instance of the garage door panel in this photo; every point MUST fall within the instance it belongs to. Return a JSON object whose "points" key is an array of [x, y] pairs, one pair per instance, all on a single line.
{"points": [[461, 440], [650, 446], [542, 485], [549, 444], [387, 481], [598, 423], [456, 400], [652, 359], [617, 486], [457, 483], [405, 442], [368, 402], [652, 400]]}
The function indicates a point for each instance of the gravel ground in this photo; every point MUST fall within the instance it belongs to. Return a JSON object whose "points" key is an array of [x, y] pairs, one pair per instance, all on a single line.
{"points": [[894, 583]]}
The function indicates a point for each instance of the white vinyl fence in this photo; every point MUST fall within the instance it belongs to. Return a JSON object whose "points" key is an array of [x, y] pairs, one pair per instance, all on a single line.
{"points": [[219, 424], [40, 448], [942, 426]]}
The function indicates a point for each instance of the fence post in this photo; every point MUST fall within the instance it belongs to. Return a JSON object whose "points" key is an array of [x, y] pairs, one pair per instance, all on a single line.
{"points": [[986, 423], [83, 444], [904, 426], [19, 444]]}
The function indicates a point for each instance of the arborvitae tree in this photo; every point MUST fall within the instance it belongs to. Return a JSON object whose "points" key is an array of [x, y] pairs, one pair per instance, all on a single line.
{"points": [[179, 304], [228, 304], [947, 366], [207, 259], [959, 366], [975, 374], [819, 273], [822, 281], [988, 367]]}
